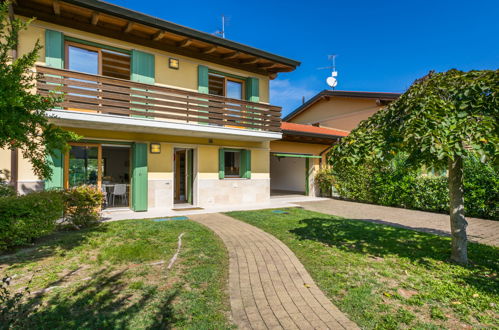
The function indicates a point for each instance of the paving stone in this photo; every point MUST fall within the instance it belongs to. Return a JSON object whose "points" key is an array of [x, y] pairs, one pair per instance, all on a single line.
{"points": [[479, 230]]}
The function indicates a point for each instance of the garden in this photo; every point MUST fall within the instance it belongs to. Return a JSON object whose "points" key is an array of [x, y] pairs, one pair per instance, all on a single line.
{"points": [[384, 277]]}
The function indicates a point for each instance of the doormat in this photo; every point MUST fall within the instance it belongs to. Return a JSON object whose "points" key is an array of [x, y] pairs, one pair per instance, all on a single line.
{"points": [[280, 212], [187, 208], [170, 219]]}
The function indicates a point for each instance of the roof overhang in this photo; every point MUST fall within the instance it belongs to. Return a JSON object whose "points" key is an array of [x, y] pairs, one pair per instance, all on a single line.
{"points": [[116, 22], [308, 137], [381, 98], [144, 125]]}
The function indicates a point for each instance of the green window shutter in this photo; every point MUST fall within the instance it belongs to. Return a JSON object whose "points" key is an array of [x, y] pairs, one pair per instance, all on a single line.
{"points": [[203, 88], [139, 177], [56, 160], [142, 71], [54, 49], [252, 89], [203, 79], [246, 164], [221, 163]]}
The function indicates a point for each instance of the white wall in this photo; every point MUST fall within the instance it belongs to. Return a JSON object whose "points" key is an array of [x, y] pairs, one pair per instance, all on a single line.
{"points": [[287, 174]]}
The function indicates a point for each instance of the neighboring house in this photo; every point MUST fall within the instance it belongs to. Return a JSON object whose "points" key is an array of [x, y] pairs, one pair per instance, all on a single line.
{"points": [[170, 116], [298, 156], [341, 110], [309, 132]]}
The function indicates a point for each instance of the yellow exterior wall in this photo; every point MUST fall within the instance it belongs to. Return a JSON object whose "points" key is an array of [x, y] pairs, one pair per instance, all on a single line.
{"points": [[160, 166], [260, 164], [5, 169], [25, 170], [27, 40], [185, 77], [338, 112], [207, 162]]}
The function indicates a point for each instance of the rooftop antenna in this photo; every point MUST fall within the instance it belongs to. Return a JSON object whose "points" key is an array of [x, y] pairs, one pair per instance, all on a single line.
{"points": [[331, 81], [221, 32]]}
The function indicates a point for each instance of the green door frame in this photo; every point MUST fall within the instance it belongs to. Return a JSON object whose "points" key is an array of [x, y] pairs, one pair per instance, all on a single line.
{"points": [[307, 176]]}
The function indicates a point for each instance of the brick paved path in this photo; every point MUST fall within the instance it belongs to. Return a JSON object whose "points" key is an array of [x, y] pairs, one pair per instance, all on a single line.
{"points": [[479, 230], [269, 287]]}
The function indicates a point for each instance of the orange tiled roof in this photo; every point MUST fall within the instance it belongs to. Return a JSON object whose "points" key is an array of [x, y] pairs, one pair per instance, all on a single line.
{"points": [[311, 129]]}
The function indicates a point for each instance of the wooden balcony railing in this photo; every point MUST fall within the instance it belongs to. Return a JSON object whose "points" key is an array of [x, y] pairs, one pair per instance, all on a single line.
{"points": [[95, 93]]}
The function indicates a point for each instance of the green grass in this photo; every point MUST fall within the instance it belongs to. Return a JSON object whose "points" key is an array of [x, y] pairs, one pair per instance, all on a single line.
{"points": [[108, 277], [388, 278]]}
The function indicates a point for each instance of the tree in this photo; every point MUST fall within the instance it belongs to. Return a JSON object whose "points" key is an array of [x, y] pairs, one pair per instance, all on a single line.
{"points": [[439, 120], [24, 124]]}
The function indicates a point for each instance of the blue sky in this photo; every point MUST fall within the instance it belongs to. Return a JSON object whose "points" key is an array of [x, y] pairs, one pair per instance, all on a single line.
{"points": [[381, 45]]}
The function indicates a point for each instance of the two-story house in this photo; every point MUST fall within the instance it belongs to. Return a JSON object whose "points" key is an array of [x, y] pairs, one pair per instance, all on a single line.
{"points": [[169, 116]]}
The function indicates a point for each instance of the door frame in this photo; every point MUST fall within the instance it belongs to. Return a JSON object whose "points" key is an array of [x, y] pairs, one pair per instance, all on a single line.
{"points": [[193, 167], [99, 162]]}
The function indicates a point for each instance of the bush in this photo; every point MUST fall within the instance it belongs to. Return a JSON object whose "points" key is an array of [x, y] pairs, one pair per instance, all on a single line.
{"points": [[396, 185], [82, 206], [24, 218], [6, 190], [324, 179]]}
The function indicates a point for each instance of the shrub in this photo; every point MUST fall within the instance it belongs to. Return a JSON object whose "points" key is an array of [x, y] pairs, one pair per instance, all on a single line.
{"points": [[24, 218], [324, 179], [82, 206], [397, 185], [6, 190]]}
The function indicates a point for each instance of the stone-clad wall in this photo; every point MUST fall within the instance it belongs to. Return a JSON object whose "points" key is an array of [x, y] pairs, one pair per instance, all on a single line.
{"points": [[215, 192]]}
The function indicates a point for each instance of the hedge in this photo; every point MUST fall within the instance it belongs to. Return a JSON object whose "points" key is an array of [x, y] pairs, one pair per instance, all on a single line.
{"points": [[24, 218], [397, 186]]}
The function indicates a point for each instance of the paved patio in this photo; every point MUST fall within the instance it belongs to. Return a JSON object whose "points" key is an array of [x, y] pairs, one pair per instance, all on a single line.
{"points": [[269, 287], [281, 201], [479, 230]]}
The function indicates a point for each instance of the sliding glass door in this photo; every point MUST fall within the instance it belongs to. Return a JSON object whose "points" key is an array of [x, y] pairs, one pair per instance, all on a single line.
{"points": [[83, 165]]}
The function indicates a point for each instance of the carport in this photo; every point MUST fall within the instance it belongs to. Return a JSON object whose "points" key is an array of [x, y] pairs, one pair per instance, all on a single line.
{"points": [[297, 157], [290, 173]]}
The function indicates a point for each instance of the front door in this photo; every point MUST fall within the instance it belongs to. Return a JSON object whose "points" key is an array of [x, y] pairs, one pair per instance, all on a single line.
{"points": [[183, 179]]}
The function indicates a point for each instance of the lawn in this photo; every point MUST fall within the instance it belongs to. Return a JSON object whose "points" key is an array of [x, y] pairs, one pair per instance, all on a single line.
{"points": [[115, 276], [387, 278]]}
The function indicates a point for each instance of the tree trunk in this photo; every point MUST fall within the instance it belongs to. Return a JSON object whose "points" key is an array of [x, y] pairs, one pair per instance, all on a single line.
{"points": [[458, 222]]}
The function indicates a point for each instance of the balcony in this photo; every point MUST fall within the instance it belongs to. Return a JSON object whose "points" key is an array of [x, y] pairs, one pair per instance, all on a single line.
{"points": [[99, 95]]}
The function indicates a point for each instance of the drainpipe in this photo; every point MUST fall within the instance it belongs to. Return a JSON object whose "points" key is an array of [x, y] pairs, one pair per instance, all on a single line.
{"points": [[14, 153]]}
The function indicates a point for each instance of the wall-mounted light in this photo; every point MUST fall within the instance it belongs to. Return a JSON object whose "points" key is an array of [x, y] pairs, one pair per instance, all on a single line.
{"points": [[155, 148], [173, 63]]}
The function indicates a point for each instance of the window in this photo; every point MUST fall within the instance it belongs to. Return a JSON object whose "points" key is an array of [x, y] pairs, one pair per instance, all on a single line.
{"points": [[235, 163], [225, 86], [97, 60], [232, 164]]}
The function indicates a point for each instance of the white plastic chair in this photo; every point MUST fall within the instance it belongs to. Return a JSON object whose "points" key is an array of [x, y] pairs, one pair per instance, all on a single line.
{"points": [[120, 191]]}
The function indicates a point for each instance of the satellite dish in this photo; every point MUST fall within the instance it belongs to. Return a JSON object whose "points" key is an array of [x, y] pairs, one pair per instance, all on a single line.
{"points": [[331, 81]]}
